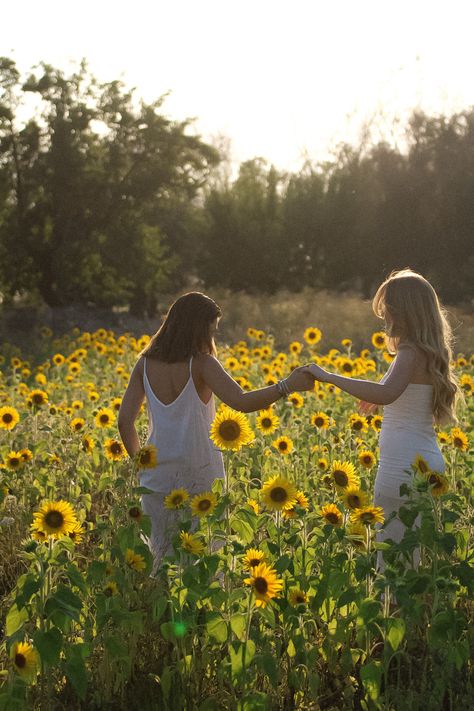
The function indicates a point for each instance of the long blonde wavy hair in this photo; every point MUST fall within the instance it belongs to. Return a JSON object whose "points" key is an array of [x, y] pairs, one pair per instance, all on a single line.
{"points": [[416, 316]]}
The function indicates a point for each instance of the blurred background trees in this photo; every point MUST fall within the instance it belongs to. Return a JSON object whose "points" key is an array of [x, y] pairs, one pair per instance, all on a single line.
{"points": [[105, 201]]}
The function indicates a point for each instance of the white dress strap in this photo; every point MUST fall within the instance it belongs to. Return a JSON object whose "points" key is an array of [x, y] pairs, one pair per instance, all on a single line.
{"points": [[190, 364]]}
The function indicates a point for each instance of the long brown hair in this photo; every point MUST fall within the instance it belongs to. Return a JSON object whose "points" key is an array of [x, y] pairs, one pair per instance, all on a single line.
{"points": [[417, 316], [186, 329]]}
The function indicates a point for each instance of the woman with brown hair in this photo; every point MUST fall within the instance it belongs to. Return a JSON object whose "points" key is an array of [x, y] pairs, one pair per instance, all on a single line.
{"points": [[178, 374]]}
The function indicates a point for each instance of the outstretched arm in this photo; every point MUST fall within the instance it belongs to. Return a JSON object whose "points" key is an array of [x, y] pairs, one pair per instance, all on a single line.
{"points": [[382, 393], [230, 392], [129, 409]]}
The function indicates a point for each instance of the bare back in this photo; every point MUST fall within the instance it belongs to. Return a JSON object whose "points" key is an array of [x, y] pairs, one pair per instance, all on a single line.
{"points": [[168, 380], [420, 375]]}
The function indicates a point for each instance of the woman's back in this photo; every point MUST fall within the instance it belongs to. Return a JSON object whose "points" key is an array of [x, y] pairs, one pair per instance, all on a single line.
{"points": [[179, 423]]}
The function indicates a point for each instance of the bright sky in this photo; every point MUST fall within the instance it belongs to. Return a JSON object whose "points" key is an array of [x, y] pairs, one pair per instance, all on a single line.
{"points": [[280, 78]]}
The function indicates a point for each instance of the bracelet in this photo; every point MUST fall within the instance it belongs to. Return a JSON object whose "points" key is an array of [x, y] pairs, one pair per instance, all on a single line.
{"points": [[283, 388]]}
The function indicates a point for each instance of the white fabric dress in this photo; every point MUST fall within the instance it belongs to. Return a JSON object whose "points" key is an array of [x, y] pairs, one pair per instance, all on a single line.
{"points": [[186, 457], [407, 430]]}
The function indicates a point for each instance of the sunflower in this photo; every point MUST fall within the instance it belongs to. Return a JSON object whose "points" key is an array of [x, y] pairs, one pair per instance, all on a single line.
{"points": [[26, 660], [437, 482], [279, 494], [191, 543], [55, 518], [297, 597], [230, 430], [296, 347], [58, 359], [357, 535], [39, 536], [110, 588], [37, 398], [252, 558], [203, 504], [176, 499], [115, 404], [134, 560], [283, 444], [378, 340], [367, 458], [76, 534], [420, 465], [296, 399], [358, 423], [376, 423], [320, 420], [332, 515], [344, 475], [26, 454], [267, 422], [135, 513], [231, 363], [114, 450], [147, 457], [312, 335], [322, 464], [9, 418], [354, 498], [13, 460], [388, 357], [87, 444], [301, 501], [346, 342], [459, 439], [444, 438], [105, 417], [368, 515], [265, 583], [77, 424], [253, 505]]}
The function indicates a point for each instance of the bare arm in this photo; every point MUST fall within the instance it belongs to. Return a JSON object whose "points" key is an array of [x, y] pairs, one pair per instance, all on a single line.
{"points": [[129, 409], [383, 393], [230, 392]]}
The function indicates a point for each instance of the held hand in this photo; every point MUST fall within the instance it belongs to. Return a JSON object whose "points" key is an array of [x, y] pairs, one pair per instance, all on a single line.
{"points": [[367, 408], [300, 379], [317, 372]]}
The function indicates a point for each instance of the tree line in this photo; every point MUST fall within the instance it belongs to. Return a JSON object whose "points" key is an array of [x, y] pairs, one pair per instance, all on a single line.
{"points": [[104, 200]]}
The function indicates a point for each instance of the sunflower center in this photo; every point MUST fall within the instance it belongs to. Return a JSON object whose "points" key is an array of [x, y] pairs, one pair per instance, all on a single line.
{"points": [[177, 499], [37, 399], [104, 418], [457, 442], [332, 517], [7, 418], [283, 446], [423, 467], [266, 422], [204, 505], [367, 517], [78, 426], [54, 519], [299, 598], [115, 448], [229, 430], [253, 562], [353, 501], [134, 512], [340, 478], [357, 425], [260, 585], [319, 422], [20, 660], [367, 459], [278, 494]]}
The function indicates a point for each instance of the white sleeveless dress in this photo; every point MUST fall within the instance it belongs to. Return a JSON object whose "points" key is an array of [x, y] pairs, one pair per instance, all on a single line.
{"points": [[186, 456], [407, 431]]}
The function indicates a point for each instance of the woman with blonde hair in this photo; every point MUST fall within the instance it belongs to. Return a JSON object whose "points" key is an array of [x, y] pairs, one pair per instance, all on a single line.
{"points": [[178, 374], [418, 390]]}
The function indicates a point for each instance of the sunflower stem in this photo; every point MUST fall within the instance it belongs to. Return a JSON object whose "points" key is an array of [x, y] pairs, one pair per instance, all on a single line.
{"points": [[247, 634]]}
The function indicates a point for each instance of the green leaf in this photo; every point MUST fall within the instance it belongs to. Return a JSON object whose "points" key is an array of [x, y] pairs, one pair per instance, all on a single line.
{"points": [[48, 645], [371, 675], [396, 632], [268, 664], [242, 529], [75, 670], [237, 655], [216, 627], [15, 619], [237, 625]]}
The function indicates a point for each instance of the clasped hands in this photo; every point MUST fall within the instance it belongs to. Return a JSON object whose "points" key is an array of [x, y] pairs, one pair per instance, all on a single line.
{"points": [[303, 377]]}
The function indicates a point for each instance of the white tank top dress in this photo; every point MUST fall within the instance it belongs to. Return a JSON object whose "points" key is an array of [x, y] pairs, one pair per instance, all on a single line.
{"points": [[180, 432], [407, 430]]}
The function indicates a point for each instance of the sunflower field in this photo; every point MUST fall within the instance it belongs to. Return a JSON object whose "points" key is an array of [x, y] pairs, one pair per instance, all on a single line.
{"points": [[272, 599]]}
